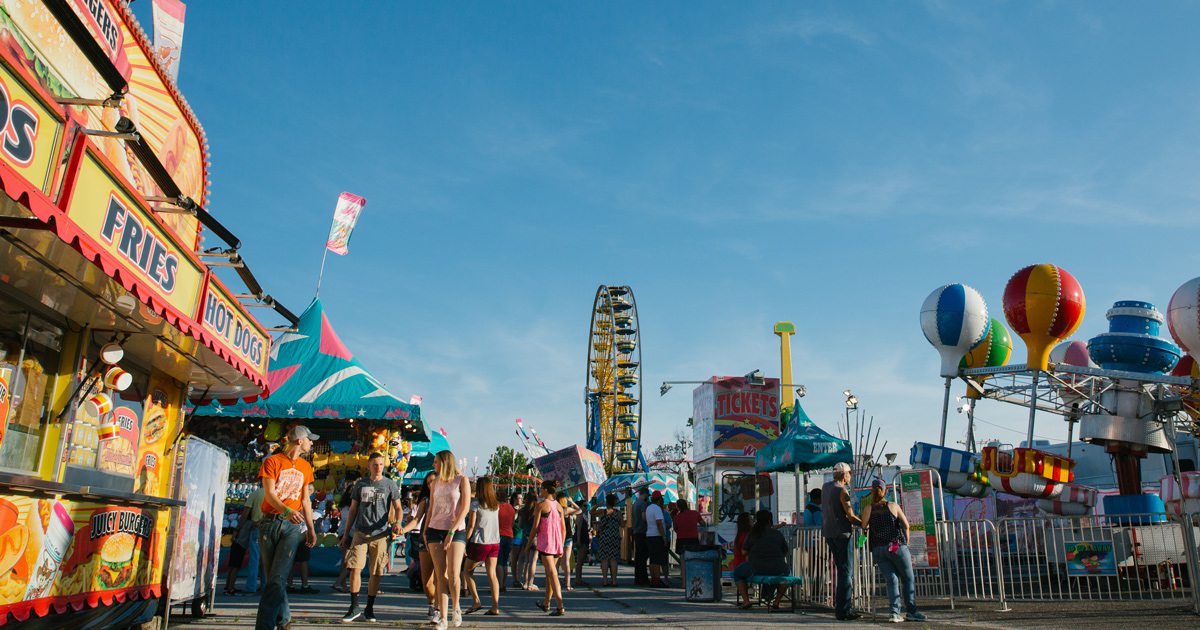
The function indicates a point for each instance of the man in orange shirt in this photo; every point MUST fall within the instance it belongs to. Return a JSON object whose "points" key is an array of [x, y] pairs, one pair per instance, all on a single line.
{"points": [[287, 520]]}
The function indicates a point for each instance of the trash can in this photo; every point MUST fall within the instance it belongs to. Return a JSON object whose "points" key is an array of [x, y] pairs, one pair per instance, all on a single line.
{"points": [[702, 573]]}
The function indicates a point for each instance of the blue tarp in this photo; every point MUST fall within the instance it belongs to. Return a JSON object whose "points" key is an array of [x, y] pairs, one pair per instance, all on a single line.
{"points": [[313, 375], [802, 444]]}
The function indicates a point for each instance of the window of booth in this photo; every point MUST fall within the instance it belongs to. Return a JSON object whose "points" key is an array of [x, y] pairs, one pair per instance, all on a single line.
{"points": [[102, 449], [30, 349]]}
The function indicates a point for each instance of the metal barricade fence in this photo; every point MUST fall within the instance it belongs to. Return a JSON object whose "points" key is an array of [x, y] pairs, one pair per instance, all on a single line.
{"points": [[1112, 557], [1044, 558]]}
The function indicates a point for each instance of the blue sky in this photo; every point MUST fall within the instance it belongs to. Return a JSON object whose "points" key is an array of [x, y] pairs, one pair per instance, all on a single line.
{"points": [[828, 164]]}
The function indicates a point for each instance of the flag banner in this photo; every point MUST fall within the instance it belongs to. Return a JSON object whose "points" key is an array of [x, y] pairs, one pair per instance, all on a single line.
{"points": [[415, 400], [168, 34], [345, 215]]}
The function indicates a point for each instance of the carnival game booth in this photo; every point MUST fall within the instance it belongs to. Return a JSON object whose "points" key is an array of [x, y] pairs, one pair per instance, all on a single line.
{"points": [[315, 381], [105, 326]]}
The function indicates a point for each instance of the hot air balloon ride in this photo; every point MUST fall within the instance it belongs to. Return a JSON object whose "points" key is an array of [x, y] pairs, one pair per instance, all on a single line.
{"points": [[954, 319], [1044, 304]]}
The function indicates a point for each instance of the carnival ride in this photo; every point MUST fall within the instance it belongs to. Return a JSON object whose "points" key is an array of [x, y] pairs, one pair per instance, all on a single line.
{"points": [[1115, 386], [613, 392]]}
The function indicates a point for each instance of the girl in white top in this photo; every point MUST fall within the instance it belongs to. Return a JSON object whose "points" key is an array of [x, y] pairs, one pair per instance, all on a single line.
{"points": [[445, 534], [484, 545]]}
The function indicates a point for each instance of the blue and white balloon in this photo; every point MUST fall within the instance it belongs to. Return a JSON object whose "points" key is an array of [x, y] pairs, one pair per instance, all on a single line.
{"points": [[954, 319]]}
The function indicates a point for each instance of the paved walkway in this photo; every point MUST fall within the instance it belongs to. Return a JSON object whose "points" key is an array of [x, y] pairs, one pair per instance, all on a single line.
{"points": [[665, 609]]}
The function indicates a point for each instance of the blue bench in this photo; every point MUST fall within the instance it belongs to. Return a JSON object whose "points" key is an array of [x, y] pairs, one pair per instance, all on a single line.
{"points": [[787, 582]]}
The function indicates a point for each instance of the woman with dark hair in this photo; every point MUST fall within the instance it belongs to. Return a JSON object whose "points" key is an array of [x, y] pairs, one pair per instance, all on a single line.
{"points": [[739, 549], [887, 532], [344, 511], [608, 535], [417, 541], [766, 554], [551, 530], [529, 554], [571, 517]]}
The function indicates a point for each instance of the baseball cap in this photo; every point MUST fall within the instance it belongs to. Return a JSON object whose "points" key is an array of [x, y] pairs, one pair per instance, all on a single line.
{"points": [[657, 496], [301, 431], [878, 483], [841, 467]]}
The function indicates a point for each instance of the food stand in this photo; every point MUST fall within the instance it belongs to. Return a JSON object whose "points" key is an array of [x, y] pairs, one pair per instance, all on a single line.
{"points": [[106, 323]]}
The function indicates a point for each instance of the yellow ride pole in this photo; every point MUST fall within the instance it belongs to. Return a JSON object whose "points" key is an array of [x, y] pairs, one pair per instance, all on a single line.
{"points": [[785, 330]]}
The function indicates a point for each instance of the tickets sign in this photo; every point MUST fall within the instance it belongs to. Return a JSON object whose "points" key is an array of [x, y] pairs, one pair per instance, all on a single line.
{"points": [[31, 129], [734, 418], [232, 327], [104, 208]]}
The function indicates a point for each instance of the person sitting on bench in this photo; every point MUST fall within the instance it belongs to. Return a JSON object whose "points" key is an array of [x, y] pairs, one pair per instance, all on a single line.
{"points": [[766, 554]]}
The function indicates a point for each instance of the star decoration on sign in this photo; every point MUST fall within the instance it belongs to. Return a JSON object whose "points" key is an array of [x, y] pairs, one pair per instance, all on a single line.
{"points": [[220, 409], [362, 412], [291, 411]]}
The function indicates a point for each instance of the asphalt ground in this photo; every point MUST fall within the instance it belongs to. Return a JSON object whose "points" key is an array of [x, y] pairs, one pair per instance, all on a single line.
{"points": [[630, 607]]}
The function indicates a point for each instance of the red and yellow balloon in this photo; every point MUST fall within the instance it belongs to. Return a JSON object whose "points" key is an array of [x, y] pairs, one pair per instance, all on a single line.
{"points": [[1043, 304]]}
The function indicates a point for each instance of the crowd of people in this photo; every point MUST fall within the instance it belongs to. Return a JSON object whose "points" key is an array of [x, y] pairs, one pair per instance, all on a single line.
{"points": [[454, 527]]}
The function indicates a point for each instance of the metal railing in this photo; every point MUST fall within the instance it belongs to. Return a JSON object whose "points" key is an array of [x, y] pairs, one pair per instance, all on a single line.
{"points": [[1140, 557]]}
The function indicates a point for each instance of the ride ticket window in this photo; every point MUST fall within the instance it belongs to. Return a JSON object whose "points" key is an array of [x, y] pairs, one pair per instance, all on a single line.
{"points": [[30, 348], [105, 432]]}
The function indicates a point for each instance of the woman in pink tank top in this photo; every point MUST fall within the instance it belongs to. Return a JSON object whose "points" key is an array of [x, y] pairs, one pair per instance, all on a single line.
{"points": [[446, 536], [551, 531]]}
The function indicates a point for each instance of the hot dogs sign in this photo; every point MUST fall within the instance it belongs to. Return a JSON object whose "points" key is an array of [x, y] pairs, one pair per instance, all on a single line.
{"points": [[232, 327]]}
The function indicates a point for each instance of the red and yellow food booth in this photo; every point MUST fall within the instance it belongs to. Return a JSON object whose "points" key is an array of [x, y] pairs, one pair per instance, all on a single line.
{"points": [[109, 318]]}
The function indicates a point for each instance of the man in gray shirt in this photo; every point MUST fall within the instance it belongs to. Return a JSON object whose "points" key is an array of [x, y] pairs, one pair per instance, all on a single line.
{"points": [[838, 521], [375, 514], [641, 553]]}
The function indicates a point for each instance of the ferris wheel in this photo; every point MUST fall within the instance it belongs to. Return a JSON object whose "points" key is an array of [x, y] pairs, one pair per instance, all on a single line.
{"points": [[613, 396]]}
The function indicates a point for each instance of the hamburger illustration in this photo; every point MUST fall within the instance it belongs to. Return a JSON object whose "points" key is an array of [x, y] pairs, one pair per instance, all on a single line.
{"points": [[156, 423], [156, 418], [116, 562]]}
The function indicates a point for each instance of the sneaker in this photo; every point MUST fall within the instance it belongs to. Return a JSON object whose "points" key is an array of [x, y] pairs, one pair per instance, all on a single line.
{"points": [[437, 616], [914, 616], [440, 625], [369, 616], [456, 617], [353, 615], [896, 618]]}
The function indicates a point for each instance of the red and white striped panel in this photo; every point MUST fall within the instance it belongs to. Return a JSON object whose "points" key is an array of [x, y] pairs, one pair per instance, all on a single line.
{"points": [[1169, 490]]}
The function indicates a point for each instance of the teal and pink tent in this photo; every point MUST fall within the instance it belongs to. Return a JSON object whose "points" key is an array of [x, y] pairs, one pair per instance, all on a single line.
{"points": [[314, 376]]}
